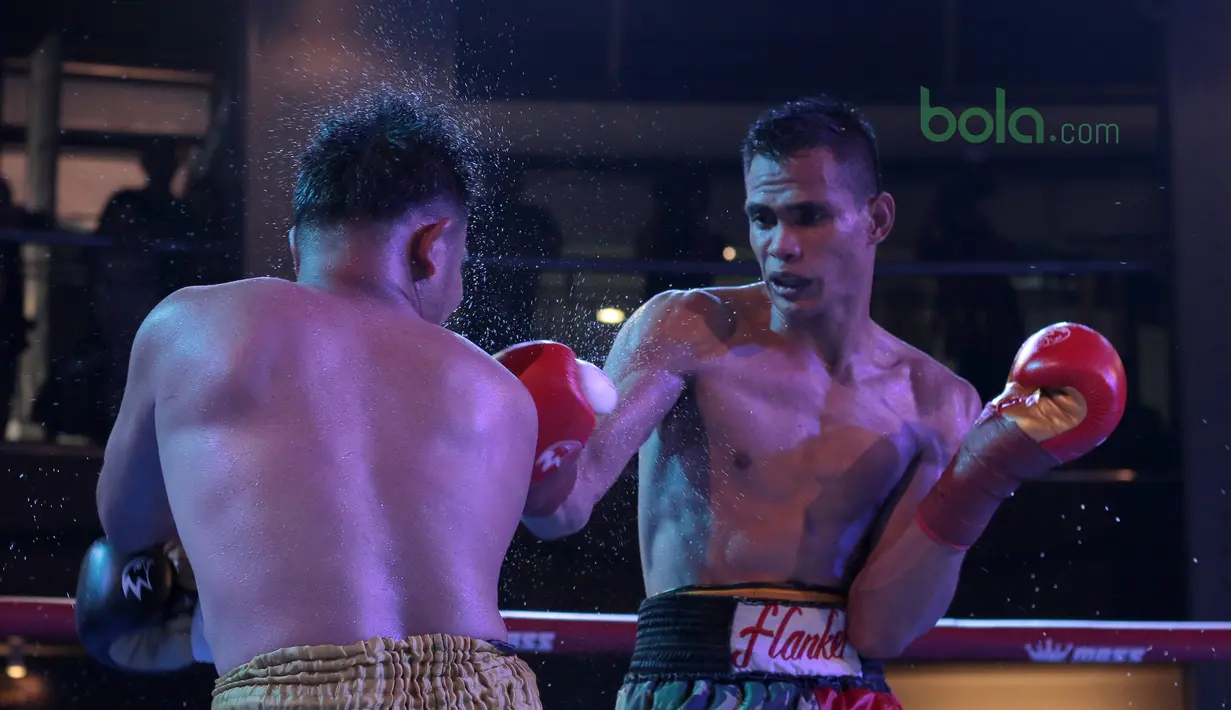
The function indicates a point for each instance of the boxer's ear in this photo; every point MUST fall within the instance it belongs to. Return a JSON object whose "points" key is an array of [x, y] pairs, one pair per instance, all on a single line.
{"points": [[424, 250], [294, 251], [881, 210]]}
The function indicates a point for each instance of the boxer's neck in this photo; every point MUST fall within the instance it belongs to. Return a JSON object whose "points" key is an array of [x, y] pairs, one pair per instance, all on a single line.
{"points": [[359, 275], [839, 334]]}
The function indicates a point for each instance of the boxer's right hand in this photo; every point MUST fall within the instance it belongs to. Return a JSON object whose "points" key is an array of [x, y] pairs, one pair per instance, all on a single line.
{"points": [[569, 394], [138, 612], [1066, 394]]}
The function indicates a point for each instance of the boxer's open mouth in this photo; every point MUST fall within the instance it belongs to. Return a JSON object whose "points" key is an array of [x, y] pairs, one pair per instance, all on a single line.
{"points": [[788, 286]]}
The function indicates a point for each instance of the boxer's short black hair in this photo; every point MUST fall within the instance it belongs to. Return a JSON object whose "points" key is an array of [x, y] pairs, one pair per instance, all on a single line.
{"points": [[379, 158], [818, 122]]}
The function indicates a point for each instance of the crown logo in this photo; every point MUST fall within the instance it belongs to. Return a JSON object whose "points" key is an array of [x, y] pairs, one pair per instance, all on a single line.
{"points": [[1048, 651]]}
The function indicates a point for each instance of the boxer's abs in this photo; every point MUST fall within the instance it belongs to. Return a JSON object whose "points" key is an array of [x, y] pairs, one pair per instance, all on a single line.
{"points": [[327, 493], [766, 479]]}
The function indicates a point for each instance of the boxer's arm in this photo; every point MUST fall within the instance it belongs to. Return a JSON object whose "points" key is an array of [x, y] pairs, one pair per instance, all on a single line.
{"points": [[651, 358], [909, 580], [132, 497]]}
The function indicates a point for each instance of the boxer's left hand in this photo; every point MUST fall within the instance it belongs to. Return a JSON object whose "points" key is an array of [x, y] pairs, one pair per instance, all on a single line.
{"points": [[1066, 394], [1066, 390], [139, 612], [569, 394]]}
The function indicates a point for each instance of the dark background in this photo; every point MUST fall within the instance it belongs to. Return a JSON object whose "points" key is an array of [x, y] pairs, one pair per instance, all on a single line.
{"points": [[1089, 545]]}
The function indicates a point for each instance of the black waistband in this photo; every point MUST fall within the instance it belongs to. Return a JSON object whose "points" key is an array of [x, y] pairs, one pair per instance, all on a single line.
{"points": [[683, 635], [754, 587], [504, 647]]}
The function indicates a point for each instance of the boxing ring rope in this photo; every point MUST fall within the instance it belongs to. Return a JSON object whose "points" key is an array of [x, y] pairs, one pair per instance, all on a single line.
{"points": [[716, 268], [50, 620]]}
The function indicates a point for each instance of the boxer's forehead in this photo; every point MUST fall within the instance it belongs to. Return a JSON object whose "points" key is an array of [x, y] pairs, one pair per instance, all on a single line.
{"points": [[808, 176]]}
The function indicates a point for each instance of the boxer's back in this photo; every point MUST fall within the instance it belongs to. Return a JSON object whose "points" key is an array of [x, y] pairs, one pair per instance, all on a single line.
{"points": [[336, 470]]}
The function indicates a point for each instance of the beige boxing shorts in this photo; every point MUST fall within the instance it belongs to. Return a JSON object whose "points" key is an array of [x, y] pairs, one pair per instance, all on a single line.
{"points": [[419, 673]]}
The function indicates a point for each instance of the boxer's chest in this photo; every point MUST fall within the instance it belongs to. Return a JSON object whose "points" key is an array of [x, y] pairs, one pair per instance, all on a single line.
{"points": [[770, 418]]}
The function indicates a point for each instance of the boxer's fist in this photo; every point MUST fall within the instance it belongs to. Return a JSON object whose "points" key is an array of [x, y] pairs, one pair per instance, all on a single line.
{"points": [[568, 394], [1065, 395], [1066, 390], [138, 612]]}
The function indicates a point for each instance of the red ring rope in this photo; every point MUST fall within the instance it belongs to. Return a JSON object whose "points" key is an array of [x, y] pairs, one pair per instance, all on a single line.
{"points": [[50, 620]]}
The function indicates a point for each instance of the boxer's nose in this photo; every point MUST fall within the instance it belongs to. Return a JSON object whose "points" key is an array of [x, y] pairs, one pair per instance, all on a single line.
{"points": [[784, 245]]}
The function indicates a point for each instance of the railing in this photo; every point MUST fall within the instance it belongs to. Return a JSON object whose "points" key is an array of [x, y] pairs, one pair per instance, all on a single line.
{"points": [[1051, 267]]}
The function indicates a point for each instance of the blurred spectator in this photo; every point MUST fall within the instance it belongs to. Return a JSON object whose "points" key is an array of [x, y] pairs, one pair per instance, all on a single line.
{"points": [[141, 268], [14, 328], [980, 316], [202, 206], [205, 262], [504, 300], [126, 288], [152, 213], [677, 232], [210, 177], [83, 391]]}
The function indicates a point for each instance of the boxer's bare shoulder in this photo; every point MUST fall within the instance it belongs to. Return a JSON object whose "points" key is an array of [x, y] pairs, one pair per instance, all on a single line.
{"points": [[249, 307], [371, 467], [667, 341], [945, 404], [676, 331], [244, 293], [262, 317]]}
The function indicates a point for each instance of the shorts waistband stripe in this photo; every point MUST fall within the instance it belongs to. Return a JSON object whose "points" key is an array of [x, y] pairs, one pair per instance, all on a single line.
{"points": [[775, 592], [687, 637], [681, 635]]}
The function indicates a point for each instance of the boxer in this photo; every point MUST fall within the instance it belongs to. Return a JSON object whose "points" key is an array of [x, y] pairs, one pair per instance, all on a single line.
{"points": [[808, 482], [344, 474]]}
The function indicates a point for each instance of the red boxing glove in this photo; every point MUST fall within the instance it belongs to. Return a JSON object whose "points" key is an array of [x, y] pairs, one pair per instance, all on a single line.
{"points": [[1066, 394], [567, 393]]}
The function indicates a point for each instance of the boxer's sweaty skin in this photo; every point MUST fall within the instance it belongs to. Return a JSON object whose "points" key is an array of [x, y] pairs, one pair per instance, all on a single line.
{"points": [[336, 469], [767, 467], [759, 465], [787, 437]]}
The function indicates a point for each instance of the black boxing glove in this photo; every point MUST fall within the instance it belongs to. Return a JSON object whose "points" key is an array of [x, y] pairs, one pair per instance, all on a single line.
{"points": [[138, 612]]}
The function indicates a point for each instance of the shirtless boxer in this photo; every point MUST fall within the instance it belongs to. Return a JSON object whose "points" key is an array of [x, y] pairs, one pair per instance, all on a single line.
{"points": [[345, 474], [799, 517]]}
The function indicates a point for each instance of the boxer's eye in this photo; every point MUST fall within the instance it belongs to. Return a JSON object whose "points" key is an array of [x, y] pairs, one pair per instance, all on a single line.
{"points": [[762, 219], [809, 219], [810, 216]]}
